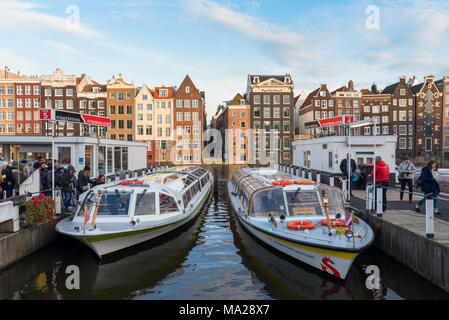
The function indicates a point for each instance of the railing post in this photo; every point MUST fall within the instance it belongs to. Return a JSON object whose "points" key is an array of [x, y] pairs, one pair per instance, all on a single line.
{"points": [[429, 219], [344, 189], [318, 178], [379, 200]]}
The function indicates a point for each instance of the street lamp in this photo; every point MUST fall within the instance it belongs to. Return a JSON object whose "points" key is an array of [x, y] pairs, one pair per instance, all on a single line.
{"points": [[367, 122]]}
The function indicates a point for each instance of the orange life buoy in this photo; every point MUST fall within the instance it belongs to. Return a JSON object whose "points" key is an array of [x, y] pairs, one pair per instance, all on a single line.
{"points": [[295, 225], [128, 182], [289, 182], [334, 222]]}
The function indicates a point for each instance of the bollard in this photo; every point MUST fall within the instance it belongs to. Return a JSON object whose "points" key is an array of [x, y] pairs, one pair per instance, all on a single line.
{"points": [[344, 189], [331, 181], [318, 177], [297, 172], [379, 205], [429, 219], [310, 174], [303, 174]]}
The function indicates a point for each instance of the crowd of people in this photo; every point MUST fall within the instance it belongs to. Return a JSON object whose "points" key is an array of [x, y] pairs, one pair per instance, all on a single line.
{"points": [[427, 182], [67, 180]]}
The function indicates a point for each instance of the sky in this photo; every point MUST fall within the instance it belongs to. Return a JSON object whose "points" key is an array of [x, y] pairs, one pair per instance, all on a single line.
{"points": [[219, 42]]}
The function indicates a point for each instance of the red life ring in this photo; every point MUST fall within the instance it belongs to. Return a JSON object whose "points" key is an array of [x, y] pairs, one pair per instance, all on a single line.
{"points": [[296, 225], [128, 182], [334, 222]]}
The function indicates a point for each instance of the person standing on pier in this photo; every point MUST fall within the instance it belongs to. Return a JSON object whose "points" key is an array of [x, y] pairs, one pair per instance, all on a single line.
{"points": [[84, 180], [344, 169], [406, 175], [382, 179], [66, 186], [430, 187]]}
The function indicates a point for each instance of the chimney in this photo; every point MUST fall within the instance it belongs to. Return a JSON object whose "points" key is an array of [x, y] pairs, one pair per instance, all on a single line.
{"points": [[429, 78], [374, 88], [402, 79], [351, 85], [446, 79]]}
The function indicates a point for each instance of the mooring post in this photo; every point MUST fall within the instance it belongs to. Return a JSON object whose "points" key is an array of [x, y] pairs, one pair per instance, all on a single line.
{"points": [[310, 174], [318, 178], [429, 219], [379, 204]]}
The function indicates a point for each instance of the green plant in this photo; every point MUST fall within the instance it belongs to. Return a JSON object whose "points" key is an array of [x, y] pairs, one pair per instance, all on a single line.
{"points": [[39, 210]]}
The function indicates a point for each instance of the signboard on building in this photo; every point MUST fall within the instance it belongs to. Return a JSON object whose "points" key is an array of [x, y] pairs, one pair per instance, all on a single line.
{"points": [[67, 116], [329, 122]]}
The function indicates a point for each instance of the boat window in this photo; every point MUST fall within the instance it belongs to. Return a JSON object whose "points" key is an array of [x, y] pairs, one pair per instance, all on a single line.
{"points": [[167, 204], [303, 203], [184, 199], [268, 201], [205, 179], [145, 204], [110, 204], [335, 200]]}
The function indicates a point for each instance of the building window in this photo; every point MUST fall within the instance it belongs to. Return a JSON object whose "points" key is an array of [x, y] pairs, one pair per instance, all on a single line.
{"points": [[257, 112], [367, 109], [179, 116], [256, 99], [385, 130], [402, 92], [376, 109], [402, 130], [277, 99], [187, 89], [128, 96], [402, 102], [428, 144], [402, 142], [286, 112], [129, 109], [402, 115], [266, 112], [367, 131], [266, 99], [286, 99]]}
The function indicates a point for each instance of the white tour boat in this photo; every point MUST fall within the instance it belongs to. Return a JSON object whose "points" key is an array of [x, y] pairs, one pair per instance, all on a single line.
{"points": [[115, 216], [304, 220]]}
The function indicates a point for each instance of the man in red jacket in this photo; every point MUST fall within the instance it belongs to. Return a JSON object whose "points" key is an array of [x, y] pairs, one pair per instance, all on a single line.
{"points": [[382, 179]]}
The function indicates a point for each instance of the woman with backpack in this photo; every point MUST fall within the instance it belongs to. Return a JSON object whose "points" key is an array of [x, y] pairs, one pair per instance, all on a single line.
{"points": [[430, 185]]}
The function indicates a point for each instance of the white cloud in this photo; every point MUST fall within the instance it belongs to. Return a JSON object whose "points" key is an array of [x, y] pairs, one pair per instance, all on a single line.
{"points": [[22, 15], [292, 48]]}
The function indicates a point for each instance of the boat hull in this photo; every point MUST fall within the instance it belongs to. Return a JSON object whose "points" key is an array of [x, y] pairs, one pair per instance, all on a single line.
{"points": [[110, 243], [333, 262]]}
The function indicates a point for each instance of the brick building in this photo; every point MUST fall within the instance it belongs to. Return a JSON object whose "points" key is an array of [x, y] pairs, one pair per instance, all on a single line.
{"points": [[58, 91], [188, 122], [272, 105], [120, 108], [91, 97]]}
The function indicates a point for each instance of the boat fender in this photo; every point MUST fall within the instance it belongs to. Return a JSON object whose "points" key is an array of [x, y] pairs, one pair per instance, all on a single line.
{"points": [[334, 222]]}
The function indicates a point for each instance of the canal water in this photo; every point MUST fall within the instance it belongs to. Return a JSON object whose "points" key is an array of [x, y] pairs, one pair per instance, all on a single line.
{"points": [[212, 258]]}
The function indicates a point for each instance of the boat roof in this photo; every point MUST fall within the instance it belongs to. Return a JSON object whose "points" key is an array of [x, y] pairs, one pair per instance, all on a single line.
{"points": [[264, 177], [175, 179]]}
